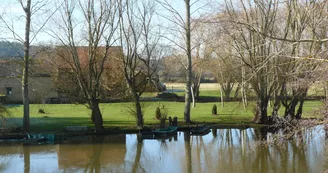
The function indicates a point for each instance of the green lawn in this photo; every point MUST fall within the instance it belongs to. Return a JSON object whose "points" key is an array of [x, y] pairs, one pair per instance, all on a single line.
{"points": [[117, 115]]}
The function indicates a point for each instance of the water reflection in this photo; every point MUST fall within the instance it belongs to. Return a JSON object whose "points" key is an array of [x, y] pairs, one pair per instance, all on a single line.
{"points": [[222, 150], [95, 155], [26, 151], [187, 145], [136, 163]]}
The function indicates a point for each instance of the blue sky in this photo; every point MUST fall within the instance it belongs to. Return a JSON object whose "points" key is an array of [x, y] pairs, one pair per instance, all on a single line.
{"points": [[13, 15]]}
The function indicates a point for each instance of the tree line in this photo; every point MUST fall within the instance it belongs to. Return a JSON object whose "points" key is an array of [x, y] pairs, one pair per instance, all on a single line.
{"points": [[276, 49]]}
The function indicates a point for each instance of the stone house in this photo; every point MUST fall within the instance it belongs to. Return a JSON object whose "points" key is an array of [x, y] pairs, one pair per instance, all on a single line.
{"points": [[51, 76], [40, 85]]}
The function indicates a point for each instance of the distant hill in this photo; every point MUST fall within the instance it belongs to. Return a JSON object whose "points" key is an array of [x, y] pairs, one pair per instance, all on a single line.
{"points": [[11, 50]]}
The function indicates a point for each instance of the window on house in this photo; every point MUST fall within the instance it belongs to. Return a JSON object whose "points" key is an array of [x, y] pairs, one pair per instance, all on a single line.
{"points": [[9, 90]]}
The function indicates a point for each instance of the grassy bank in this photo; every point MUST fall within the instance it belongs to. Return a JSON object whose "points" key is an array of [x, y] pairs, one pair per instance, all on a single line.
{"points": [[116, 115]]}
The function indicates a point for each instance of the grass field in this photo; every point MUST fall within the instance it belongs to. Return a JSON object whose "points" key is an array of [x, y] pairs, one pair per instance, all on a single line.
{"points": [[213, 89], [58, 116]]}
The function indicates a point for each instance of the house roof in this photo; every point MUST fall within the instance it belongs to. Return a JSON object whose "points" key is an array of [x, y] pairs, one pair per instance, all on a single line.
{"points": [[64, 57], [47, 60]]}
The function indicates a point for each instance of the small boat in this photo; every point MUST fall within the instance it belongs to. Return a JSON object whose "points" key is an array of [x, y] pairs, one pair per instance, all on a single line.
{"points": [[31, 138], [203, 130], [171, 130], [41, 137]]}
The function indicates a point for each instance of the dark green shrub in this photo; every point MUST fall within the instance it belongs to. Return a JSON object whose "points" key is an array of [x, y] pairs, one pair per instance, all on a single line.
{"points": [[214, 110], [158, 113], [168, 96], [41, 111]]}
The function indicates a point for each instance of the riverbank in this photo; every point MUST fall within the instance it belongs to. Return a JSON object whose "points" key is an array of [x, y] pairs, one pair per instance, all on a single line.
{"points": [[117, 118]]}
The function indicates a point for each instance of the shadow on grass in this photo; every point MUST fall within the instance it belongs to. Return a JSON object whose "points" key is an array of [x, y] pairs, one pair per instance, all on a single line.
{"points": [[125, 122], [58, 124], [12, 105], [218, 115]]}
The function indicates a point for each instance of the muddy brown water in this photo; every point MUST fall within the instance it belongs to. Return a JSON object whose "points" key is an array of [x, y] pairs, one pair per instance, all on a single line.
{"points": [[222, 150]]}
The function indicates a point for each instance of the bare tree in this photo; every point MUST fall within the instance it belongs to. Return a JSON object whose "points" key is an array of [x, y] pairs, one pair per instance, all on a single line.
{"points": [[189, 63], [256, 51], [182, 28], [274, 40], [140, 41], [200, 42], [87, 63], [304, 18], [26, 111], [32, 30]]}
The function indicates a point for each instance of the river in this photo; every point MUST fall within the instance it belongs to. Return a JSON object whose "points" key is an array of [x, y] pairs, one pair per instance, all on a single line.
{"points": [[222, 150]]}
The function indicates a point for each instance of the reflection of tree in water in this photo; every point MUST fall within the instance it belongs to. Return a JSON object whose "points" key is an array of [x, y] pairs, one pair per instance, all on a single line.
{"points": [[214, 133], [236, 150], [94, 162], [244, 143], [203, 151], [280, 157], [137, 159], [261, 133], [163, 150], [3, 164], [27, 163], [326, 152], [187, 145]]}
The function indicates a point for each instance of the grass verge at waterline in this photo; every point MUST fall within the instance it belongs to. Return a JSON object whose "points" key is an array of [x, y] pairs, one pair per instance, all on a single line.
{"points": [[117, 116]]}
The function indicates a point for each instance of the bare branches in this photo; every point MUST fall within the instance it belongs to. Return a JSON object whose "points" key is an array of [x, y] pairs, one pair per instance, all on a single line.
{"points": [[140, 39]]}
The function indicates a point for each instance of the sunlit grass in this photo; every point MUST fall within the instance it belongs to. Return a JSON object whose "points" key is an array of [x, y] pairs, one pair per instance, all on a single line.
{"points": [[58, 116]]}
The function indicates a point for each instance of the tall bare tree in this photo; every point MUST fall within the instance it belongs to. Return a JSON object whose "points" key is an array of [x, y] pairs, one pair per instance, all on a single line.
{"points": [[140, 41], [180, 36], [256, 51], [303, 18], [97, 21], [32, 29], [189, 63], [26, 110]]}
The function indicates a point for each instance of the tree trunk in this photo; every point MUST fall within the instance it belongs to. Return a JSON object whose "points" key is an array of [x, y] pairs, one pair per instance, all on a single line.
{"points": [[261, 115], [275, 111], [237, 91], [222, 97], [227, 93], [325, 88], [290, 108], [243, 88], [196, 90], [276, 105], [189, 66], [300, 110], [96, 115], [26, 102], [196, 83], [139, 114], [300, 107], [187, 105], [193, 98]]}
